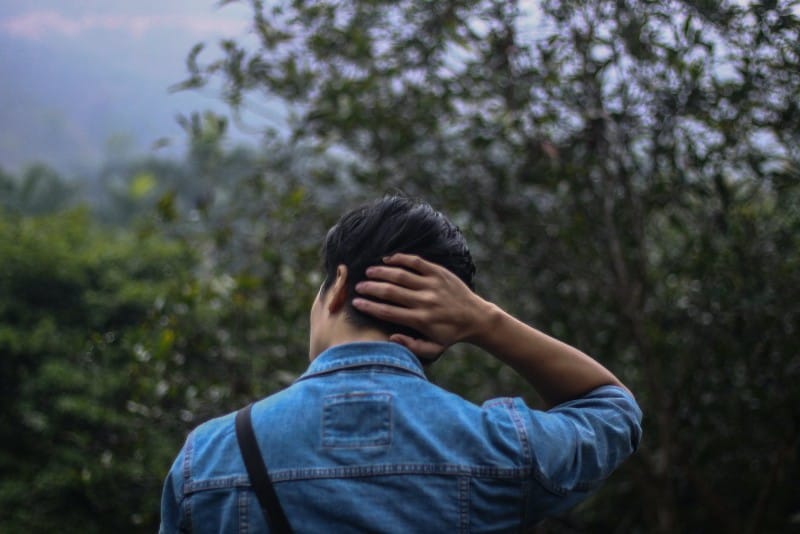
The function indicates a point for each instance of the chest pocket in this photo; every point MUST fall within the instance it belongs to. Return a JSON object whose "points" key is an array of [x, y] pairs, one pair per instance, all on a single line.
{"points": [[356, 420]]}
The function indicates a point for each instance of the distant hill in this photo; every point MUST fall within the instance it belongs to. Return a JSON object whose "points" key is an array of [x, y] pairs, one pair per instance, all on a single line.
{"points": [[71, 99]]}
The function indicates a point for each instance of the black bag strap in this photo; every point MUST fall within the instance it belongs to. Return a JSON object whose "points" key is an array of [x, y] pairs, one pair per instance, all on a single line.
{"points": [[257, 471]]}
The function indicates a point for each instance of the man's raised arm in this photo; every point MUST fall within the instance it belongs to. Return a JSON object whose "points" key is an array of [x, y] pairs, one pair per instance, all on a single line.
{"points": [[432, 300]]}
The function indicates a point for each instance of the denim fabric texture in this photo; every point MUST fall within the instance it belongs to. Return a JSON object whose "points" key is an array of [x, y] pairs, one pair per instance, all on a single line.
{"points": [[363, 442]]}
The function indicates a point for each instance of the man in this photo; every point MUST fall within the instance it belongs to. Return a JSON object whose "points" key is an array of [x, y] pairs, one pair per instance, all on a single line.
{"points": [[362, 442]]}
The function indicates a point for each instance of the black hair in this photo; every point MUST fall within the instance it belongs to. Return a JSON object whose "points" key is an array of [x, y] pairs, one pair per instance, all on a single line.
{"points": [[365, 235]]}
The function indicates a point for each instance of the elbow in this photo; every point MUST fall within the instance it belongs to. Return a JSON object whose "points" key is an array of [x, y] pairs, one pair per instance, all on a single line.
{"points": [[633, 416]]}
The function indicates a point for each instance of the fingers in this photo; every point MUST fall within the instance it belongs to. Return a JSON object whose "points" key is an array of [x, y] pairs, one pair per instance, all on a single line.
{"points": [[413, 262], [389, 292], [404, 294], [396, 275], [386, 312]]}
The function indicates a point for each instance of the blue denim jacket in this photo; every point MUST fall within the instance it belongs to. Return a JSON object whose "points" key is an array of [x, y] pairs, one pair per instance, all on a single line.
{"points": [[362, 442]]}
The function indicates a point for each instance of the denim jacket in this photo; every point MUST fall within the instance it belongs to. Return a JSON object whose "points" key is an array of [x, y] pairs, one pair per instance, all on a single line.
{"points": [[362, 442]]}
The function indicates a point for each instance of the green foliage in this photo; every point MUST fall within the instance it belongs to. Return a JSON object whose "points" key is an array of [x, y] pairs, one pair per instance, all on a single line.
{"points": [[38, 190], [113, 347], [115, 343], [78, 307]]}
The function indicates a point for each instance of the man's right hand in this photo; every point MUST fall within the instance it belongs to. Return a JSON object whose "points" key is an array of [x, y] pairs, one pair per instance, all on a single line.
{"points": [[426, 297]]}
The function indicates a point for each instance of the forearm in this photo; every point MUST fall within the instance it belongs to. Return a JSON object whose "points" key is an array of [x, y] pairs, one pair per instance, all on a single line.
{"points": [[432, 300], [558, 371]]}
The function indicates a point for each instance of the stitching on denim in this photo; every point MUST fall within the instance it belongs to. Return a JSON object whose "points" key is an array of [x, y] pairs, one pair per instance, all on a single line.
{"points": [[288, 475], [360, 354], [525, 489], [397, 469], [559, 490], [545, 482], [463, 503], [527, 452], [187, 457], [377, 366], [218, 483], [243, 498], [187, 513], [499, 401], [347, 361], [383, 436], [187, 476], [522, 432]]}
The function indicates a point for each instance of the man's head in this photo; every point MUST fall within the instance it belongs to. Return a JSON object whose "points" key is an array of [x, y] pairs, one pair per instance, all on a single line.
{"points": [[365, 235]]}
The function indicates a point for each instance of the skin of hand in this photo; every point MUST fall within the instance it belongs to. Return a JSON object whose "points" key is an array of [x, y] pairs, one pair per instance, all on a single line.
{"points": [[425, 296], [435, 302]]}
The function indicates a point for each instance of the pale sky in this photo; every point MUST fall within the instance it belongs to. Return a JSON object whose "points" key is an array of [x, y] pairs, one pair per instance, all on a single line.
{"points": [[47, 23], [75, 74]]}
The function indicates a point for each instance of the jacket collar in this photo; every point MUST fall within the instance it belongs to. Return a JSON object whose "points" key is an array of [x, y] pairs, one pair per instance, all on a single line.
{"points": [[364, 354]]}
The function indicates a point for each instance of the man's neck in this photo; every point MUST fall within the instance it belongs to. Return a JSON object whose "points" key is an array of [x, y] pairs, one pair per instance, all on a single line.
{"points": [[345, 332]]}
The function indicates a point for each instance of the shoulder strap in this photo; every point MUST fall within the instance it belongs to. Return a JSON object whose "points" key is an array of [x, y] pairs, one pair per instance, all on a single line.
{"points": [[257, 471]]}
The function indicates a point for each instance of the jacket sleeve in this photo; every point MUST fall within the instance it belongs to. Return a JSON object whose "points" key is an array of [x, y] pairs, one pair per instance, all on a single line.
{"points": [[172, 496], [576, 445]]}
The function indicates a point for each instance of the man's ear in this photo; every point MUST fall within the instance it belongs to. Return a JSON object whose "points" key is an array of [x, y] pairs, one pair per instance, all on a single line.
{"points": [[337, 293]]}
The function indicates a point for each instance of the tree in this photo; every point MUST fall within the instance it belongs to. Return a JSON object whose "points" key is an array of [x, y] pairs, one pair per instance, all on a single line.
{"points": [[114, 343], [84, 338], [113, 347], [632, 166], [38, 190]]}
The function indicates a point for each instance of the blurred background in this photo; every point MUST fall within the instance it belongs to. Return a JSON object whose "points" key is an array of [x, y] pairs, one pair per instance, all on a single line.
{"points": [[627, 173]]}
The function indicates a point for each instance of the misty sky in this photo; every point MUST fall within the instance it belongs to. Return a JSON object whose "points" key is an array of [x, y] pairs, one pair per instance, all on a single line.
{"points": [[76, 75], [81, 80]]}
